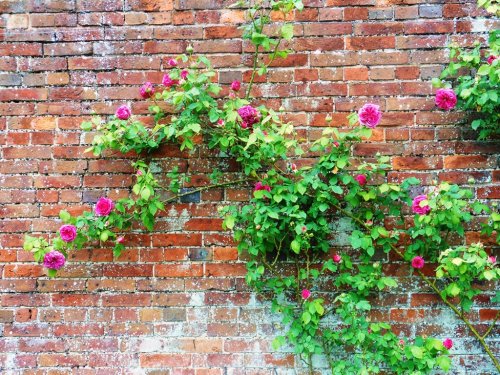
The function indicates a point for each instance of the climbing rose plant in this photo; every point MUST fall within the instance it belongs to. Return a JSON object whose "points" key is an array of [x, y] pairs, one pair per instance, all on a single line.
{"points": [[315, 234], [476, 76]]}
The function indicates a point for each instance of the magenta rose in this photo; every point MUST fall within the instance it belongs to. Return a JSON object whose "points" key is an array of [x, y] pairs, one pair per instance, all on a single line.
{"points": [[147, 90], [169, 82], [448, 344], [446, 99], [68, 233], [104, 206], [235, 86], [184, 74], [417, 262], [492, 259], [249, 115], [123, 112], [306, 294], [260, 186], [54, 260], [337, 258], [120, 239], [370, 115], [361, 178], [491, 58], [416, 206], [172, 62]]}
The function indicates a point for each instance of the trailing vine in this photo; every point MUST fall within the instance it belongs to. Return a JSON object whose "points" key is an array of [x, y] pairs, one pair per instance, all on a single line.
{"points": [[476, 76], [316, 235]]}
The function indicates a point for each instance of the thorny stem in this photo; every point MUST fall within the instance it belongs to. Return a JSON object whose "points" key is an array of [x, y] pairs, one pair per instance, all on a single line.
{"points": [[310, 364], [457, 312], [492, 325], [254, 71], [203, 188]]}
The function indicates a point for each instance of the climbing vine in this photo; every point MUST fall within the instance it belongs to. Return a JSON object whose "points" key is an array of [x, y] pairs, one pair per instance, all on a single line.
{"points": [[475, 75], [316, 235]]}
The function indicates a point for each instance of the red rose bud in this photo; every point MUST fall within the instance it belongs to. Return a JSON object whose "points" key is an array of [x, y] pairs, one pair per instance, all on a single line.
{"points": [[235, 86], [361, 178], [306, 294]]}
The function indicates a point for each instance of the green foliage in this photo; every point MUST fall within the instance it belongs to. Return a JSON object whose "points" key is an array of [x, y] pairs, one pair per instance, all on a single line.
{"points": [[477, 84], [451, 210], [462, 267], [122, 135], [377, 347], [491, 6], [255, 32]]}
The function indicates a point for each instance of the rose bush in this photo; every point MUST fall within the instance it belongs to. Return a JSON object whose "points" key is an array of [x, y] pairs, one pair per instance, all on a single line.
{"points": [[323, 290], [477, 85]]}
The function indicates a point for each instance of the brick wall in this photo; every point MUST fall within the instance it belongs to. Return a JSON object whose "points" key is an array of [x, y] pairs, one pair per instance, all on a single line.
{"points": [[175, 302]]}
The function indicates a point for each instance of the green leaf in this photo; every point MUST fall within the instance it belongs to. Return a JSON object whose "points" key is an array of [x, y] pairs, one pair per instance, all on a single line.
{"points": [[301, 189], [489, 275], [51, 272], [287, 31], [319, 308], [104, 236], [483, 70], [444, 362], [306, 317], [65, 216], [278, 342], [295, 246], [229, 222], [417, 352]]}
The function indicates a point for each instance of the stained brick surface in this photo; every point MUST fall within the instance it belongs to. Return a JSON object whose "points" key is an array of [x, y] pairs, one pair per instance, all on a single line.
{"points": [[176, 300]]}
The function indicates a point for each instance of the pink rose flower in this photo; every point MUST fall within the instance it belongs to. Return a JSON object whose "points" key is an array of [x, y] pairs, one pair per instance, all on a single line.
{"points": [[172, 62], [260, 186], [306, 294], [401, 342], [361, 178], [337, 258], [336, 144], [492, 259], [235, 86], [68, 233], [249, 115], [139, 173], [147, 90], [446, 99], [417, 262], [120, 239], [169, 82], [184, 74], [418, 208], [104, 206], [491, 58], [448, 344], [54, 260], [370, 115], [123, 112], [220, 122]]}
